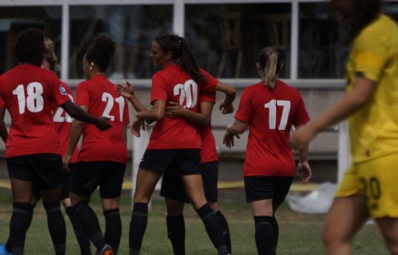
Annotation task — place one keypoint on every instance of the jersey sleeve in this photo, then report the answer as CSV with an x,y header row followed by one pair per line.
x,y
82,94
302,116
372,55
244,112
208,89
159,89
126,115
59,90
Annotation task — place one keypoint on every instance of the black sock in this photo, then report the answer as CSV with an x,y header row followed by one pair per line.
x,y
138,223
275,228
56,226
113,230
19,224
89,221
81,235
213,228
264,235
176,233
225,230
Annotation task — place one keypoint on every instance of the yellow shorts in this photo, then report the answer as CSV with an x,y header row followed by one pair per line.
x,y
377,180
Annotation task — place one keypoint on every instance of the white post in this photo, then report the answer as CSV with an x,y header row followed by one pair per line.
x,y
344,156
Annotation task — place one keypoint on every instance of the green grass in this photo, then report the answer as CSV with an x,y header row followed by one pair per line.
x,y
299,233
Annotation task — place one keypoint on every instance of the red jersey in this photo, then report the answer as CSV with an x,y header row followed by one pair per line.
x,y
63,123
28,92
270,114
209,151
172,84
102,100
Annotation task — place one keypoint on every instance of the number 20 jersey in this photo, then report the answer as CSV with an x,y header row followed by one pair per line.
x,y
28,92
270,114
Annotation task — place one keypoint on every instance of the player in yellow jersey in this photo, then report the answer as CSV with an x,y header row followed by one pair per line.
x,y
368,188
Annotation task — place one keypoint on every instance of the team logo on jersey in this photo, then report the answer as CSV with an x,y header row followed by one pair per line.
x,y
62,90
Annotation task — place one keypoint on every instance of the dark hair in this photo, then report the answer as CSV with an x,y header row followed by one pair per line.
x,y
270,62
360,13
49,55
29,46
101,51
181,54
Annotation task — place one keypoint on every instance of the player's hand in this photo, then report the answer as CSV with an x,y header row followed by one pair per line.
x,y
136,126
226,108
304,171
229,140
103,124
175,110
125,91
65,162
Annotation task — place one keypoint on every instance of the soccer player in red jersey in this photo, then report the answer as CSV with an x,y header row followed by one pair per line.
x,y
270,109
175,143
172,186
103,156
28,92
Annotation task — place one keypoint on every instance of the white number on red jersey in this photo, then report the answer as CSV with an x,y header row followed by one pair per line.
x,y
110,101
34,101
188,92
60,111
271,105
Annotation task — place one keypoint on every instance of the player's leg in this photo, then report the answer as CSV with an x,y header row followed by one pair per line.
x,y
84,182
209,171
173,191
110,190
81,236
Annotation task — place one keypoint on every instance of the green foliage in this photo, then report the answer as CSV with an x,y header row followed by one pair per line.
x,y
299,233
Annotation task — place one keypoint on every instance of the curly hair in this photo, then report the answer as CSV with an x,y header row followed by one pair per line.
x,y
101,51
29,46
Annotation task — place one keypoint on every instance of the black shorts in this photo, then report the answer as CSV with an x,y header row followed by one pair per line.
x,y
65,192
172,186
87,176
176,161
43,169
267,187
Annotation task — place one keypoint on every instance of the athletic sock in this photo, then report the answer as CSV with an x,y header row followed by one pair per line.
x,y
19,223
213,228
89,221
264,235
225,230
113,229
56,226
275,229
81,235
176,233
138,223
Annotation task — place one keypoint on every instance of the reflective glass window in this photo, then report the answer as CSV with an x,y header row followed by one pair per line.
x,y
14,20
132,27
226,38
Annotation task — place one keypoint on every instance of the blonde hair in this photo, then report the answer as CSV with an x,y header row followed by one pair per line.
x,y
270,62
49,55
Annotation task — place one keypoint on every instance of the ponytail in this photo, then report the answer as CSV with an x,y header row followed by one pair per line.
x,y
270,62
181,54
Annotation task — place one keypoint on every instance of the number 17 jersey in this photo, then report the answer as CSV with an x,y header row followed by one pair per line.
x,y
270,114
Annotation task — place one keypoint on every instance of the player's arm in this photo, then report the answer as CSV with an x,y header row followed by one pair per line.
x,y
360,95
129,93
230,94
154,114
175,110
3,128
74,136
79,114
303,167
234,129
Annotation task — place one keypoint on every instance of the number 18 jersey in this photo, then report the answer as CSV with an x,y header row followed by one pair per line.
x,y
270,114
28,92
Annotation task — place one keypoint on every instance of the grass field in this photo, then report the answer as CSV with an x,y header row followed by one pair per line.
x,y
299,233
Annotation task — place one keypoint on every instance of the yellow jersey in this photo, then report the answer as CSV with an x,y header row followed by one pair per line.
x,y
373,128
